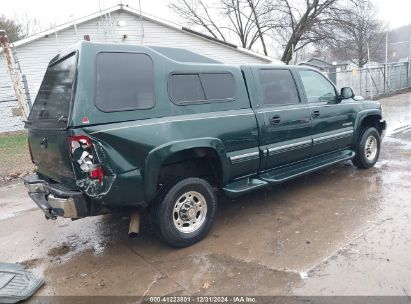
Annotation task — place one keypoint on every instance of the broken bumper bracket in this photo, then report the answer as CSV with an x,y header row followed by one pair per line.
x,y
54,200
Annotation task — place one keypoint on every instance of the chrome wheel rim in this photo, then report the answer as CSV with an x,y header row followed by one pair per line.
x,y
189,212
371,148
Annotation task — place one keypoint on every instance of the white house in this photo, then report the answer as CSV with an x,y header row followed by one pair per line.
x,y
119,24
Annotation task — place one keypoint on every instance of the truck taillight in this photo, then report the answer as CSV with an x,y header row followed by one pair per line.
x,y
81,151
97,172
79,141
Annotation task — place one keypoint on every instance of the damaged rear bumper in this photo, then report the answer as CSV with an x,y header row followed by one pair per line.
x,y
55,200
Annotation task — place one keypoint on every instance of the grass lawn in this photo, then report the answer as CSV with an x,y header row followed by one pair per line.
x,y
14,142
14,154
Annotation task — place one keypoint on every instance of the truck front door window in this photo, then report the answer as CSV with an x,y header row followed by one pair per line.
x,y
317,88
332,122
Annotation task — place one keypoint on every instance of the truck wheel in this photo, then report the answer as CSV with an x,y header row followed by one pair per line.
x,y
185,211
368,149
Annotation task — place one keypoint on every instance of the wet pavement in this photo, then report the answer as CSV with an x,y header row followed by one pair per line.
x,y
340,231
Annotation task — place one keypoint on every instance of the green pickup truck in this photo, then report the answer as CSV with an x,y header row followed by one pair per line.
x,y
128,127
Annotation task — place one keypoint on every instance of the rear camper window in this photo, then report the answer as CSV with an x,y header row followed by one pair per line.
x,y
53,98
124,82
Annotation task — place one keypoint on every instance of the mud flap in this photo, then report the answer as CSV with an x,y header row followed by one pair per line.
x,y
16,283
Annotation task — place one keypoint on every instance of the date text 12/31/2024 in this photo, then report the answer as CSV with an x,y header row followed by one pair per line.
x,y
201,299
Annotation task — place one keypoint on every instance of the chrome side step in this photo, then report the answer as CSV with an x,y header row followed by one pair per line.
x,y
244,185
280,175
283,174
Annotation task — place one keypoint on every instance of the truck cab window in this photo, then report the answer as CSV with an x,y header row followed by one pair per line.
x,y
278,87
317,88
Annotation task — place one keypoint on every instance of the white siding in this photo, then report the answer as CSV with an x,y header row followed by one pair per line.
x,y
8,101
34,56
8,122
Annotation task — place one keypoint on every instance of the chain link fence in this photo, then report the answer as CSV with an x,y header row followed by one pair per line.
x,y
14,154
375,81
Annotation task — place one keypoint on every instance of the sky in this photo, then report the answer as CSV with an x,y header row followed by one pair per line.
x,y
50,12
395,12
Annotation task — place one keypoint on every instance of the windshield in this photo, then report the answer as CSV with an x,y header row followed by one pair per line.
x,y
53,99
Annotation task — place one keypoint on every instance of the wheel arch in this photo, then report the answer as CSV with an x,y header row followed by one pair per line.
x,y
157,157
367,118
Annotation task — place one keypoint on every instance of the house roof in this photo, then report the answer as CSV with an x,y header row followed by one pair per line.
x,y
126,8
320,62
306,63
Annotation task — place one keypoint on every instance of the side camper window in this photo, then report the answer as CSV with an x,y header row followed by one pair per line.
x,y
188,88
124,82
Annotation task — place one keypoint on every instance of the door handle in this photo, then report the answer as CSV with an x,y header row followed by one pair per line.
x,y
275,120
315,114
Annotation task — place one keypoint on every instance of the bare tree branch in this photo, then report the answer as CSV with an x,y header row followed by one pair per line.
x,y
196,13
247,19
356,31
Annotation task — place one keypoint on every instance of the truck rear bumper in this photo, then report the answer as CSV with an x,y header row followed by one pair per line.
x,y
55,200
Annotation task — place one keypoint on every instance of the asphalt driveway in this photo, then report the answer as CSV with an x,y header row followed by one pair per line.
x,y
340,231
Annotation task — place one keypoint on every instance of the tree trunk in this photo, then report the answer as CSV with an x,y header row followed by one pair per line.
x,y
257,23
288,52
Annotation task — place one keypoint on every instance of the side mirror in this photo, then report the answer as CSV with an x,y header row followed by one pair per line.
x,y
347,93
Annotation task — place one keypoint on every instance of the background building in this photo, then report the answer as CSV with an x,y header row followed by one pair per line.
x,y
119,24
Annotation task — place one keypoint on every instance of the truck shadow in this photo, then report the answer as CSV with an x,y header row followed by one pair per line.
x,y
299,215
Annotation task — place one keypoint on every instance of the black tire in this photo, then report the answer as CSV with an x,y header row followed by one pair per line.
x,y
163,211
363,159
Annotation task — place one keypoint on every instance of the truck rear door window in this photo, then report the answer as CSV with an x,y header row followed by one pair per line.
x,y
201,87
52,104
278,87
124,82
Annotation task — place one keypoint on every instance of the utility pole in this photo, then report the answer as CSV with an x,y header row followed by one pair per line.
x,y
368,69
409,62
14,75
142,22
386,61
